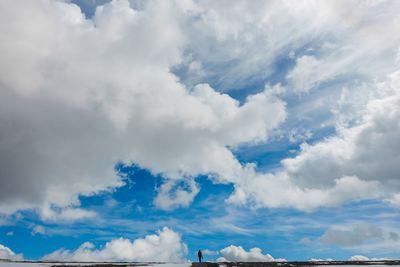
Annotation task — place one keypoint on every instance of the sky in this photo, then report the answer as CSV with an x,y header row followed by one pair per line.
x,y
147,130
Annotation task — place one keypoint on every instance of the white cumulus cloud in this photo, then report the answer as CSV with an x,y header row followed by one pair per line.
x,y
359,258
165,246
79,95
238,253
339,168
6,253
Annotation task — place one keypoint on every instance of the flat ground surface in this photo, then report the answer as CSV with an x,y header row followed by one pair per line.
x,y
205,264
92,264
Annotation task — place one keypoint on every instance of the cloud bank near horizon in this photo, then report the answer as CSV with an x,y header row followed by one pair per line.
x,y
8,254
237,253
164,246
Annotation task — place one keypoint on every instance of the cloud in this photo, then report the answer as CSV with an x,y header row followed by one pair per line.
x,y
10,233
339,168
169,197
357,235
365,258
394,200
66,214
237,253
79,96
165,246
209,252
38,229
6,253
276,191
327,51
297,135
240,43
358,258
362,237
312,259
305,74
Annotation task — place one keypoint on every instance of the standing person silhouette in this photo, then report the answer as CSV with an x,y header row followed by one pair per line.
x,y
200,255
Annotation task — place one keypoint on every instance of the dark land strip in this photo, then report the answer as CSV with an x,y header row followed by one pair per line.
x,y
293,263
214,264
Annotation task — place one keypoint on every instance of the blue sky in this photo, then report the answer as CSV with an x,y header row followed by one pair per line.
x,y
253,131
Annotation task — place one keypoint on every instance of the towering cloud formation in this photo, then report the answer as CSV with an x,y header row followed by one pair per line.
x,y
79,95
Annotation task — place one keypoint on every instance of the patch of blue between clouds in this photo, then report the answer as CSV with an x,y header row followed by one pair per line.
x,y
88,7
243,88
